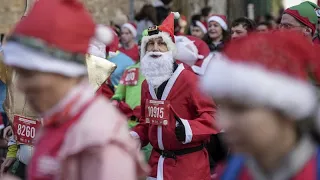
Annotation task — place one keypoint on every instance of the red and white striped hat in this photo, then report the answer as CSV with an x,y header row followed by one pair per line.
x,y
221,19
53,42
132,28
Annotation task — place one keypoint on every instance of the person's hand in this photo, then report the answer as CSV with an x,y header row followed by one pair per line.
x,y
7,132
6,165
180,130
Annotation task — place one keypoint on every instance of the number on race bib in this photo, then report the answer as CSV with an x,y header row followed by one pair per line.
x,y
157,112
25,129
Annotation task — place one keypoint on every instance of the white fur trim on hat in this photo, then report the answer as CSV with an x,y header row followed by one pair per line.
x,y
166,38
20,56
219,20
201,26
131,28
176,15
254,85
104,34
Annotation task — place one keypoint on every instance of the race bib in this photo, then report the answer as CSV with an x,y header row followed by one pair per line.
x,y
25,129
157,112
130,77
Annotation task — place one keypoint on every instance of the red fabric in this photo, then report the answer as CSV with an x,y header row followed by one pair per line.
x,y
168,26
274,51
202,48
133,53
51,17
105,90
308,172
223,17
125,109
304,20
198,110
48,146
114,46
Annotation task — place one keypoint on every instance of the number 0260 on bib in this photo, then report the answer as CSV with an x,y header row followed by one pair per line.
x,y
157,112
25,129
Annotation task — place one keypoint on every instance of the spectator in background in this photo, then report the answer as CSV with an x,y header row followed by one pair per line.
x,y
205,14
302,18
263,27
271,21
241,27
198,29
162,9
120,59
129,45
217,32
147,17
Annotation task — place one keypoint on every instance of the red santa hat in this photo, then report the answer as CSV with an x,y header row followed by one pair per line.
x,y
191,49
132,28
201,26
221,19
48,41
165,30
268,70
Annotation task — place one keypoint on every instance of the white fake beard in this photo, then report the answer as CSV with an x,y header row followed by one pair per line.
x,y
157,70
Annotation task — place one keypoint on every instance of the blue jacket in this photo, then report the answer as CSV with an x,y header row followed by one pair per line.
x,y
122,61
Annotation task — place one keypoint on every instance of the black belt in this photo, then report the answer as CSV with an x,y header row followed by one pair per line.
x,y
175,153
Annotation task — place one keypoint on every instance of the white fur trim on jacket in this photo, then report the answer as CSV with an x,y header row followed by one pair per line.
x,y
219,20
20,56
252,84
166,38
131,28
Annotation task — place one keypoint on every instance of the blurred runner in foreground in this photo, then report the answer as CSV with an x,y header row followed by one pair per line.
x,y
267,107
83,137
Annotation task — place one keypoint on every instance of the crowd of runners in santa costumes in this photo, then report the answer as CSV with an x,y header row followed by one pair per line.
x,y
268,107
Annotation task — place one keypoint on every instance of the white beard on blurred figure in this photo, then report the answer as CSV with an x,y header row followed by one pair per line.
x,y
157,70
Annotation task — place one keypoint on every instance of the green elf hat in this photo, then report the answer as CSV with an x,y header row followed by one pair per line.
x,y
306,13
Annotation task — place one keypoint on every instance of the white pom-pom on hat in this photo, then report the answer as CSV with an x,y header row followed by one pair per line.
x,y
176,15
104,34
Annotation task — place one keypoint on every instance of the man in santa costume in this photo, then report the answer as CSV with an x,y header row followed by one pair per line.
x,y
47,51
176,118
194,52
304,18
129,45
269,115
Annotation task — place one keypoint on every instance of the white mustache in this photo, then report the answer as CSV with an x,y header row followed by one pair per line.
x,y
154,53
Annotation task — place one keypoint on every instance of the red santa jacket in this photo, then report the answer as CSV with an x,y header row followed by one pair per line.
x,y
196,112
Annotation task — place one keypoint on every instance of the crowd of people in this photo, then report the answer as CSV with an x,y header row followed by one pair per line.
x,y
203,101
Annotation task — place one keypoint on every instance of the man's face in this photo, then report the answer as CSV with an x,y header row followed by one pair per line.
x,y
126,35
156,45
197,32
262,28
290,23
42,90
238,31
251,129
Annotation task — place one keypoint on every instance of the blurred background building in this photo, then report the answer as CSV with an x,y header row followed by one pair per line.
x,y
120,11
